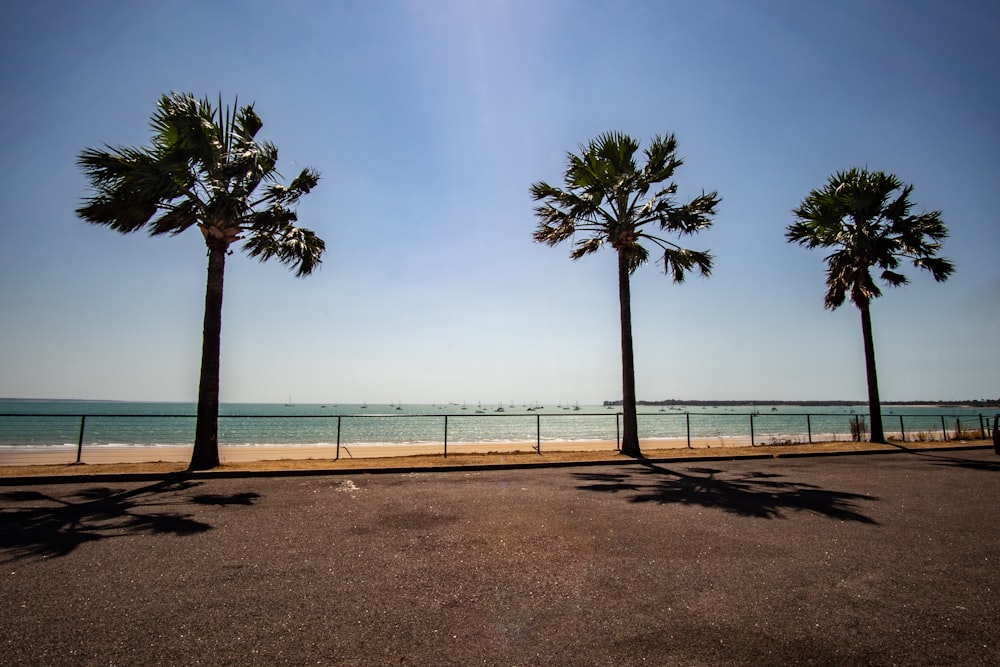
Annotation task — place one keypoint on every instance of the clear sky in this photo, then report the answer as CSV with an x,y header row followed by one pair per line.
x,y
429,120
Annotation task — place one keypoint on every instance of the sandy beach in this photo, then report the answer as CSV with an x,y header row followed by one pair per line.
x,y
106,454
34,461
19,456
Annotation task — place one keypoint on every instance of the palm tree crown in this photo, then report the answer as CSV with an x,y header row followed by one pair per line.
x,y
205,168
866,216
607,199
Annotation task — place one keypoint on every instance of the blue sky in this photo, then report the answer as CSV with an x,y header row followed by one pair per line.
x,y
429,120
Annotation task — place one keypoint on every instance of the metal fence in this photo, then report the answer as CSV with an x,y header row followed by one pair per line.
x,y
682,428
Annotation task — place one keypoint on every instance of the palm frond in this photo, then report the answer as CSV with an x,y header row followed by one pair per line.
x,y
586,247
175,220
894,278
940,268
129,186
637,255
689,218
295,247
661,159
678,262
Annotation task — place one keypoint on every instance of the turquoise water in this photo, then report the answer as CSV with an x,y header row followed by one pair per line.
x,y
58,423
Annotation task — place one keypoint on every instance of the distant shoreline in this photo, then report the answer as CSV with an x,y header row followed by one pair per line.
x,y
971,404
928,404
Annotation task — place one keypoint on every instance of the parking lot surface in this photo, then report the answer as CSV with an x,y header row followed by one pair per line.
x,y
885,559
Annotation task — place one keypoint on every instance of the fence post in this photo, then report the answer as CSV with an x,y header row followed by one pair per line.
x,y
982,431
446,436
902,429
538,433
338,439
809,429
752,443
79,443
687,418
996,433
618,431
944,429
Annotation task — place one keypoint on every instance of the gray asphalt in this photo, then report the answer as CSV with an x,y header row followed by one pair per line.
x,y
889,559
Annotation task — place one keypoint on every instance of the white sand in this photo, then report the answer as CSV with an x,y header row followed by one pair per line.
x,y
182,454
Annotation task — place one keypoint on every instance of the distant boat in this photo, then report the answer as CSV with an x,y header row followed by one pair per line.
x,y
289,403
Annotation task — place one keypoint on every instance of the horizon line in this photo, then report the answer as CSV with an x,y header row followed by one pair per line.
x,y
659,402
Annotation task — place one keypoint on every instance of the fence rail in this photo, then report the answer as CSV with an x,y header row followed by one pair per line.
x,y
686,427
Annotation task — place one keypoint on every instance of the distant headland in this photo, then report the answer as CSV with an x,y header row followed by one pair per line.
x,y
974,403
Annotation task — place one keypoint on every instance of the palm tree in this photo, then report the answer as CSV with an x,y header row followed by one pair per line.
x,y
206,169
866,218
606,201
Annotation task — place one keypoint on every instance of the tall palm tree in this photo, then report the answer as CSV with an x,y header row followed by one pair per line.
x,y
607,200
206,169
866,218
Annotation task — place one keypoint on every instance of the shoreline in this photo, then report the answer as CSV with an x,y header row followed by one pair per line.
x,y
22,458
102,454
19,455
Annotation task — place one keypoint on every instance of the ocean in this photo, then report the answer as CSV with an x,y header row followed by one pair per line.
x,y
114,423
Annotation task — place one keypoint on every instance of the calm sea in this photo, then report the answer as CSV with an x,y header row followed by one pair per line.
x,y
112,423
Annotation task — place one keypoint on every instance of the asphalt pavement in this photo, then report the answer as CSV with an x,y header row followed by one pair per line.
x,y
884,559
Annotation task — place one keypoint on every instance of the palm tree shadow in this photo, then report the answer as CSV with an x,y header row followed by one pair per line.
x,y
953,459
35,524
955,462
758,495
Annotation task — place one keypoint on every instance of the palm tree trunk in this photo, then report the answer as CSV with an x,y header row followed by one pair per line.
x,y
874,405
206,437
630,431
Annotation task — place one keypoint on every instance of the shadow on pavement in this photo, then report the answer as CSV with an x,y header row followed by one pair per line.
x,y
953,459
35,524
758,495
